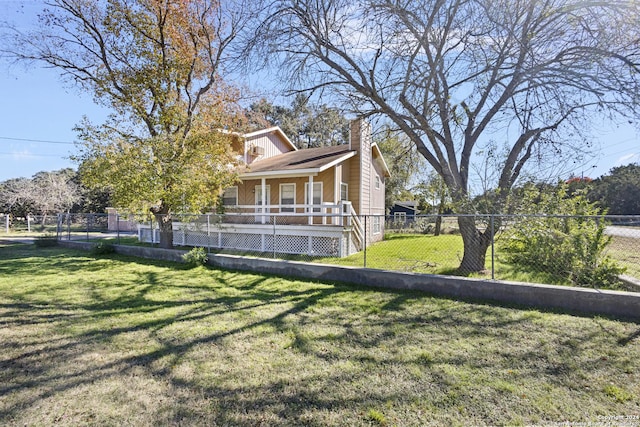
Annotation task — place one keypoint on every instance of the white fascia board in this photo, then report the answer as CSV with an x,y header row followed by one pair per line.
x,y
337,161
375,147
281,174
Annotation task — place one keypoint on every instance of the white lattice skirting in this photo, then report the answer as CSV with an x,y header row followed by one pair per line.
x,y
314,240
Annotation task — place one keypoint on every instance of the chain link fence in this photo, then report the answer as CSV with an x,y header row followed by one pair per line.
x,y
588,251
591,251
29,225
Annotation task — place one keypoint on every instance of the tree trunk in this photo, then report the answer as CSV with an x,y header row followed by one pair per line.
x,y
165,221
475,243
438,228
441,205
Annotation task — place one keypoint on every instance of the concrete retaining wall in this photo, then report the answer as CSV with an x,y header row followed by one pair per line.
x,y
592,301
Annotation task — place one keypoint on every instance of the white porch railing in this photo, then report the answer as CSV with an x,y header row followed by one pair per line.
x,y
317,230
325,213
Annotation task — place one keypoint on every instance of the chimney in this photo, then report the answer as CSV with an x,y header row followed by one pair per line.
x,y
360,135
360,142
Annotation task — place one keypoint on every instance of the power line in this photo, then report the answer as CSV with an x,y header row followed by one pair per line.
x,y
44,141
24,156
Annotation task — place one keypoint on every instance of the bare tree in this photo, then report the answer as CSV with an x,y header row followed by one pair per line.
x,y
54,192
454,73
43,194
17,197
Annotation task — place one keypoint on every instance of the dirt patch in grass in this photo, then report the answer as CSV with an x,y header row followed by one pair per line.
x,y
112,341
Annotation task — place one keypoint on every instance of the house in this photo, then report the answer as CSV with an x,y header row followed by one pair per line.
x,y
319,201
403,213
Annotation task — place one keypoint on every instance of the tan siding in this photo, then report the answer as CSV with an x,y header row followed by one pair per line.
x,y
246,188
367,182
377,195
272,144
328,184
245,193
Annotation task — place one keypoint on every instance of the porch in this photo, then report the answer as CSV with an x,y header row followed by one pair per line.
x,y
315,230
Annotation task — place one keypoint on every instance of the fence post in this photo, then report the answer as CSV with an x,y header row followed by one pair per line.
x,y
68,226
365,241
219,219
7,222
493,269
209,233
118,226
273,243
29,223
88,218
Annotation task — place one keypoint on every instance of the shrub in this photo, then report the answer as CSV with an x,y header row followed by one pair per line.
x,y
195,257
103,248
569,243
46,241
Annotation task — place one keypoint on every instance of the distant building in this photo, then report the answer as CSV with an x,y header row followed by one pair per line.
x,y
403,213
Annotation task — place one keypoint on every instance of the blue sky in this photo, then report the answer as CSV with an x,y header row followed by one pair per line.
x,y
38,113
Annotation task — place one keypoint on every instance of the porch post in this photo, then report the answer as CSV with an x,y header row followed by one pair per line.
x,y
310,199
263,183
337,182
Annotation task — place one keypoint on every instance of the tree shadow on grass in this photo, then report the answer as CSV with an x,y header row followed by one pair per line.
x,y
264,350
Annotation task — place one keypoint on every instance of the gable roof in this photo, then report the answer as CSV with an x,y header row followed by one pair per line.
x,y
274,129
409,204
310,161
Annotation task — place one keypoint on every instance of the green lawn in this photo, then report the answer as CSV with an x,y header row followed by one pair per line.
x,y
419,253
626,250
113,341
416,253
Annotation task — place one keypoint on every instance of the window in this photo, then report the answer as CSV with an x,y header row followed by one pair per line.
x,y
376,224
230,196
377,182
287,196
344,191
400,216
317,194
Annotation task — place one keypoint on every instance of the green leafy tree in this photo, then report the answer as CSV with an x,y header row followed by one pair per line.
x,y
156,64
452,74
619,190
92,200
561,235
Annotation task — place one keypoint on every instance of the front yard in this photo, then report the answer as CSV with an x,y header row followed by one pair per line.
x,y
112,341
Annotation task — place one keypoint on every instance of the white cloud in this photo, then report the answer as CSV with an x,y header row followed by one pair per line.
x,y
628,158
22,154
